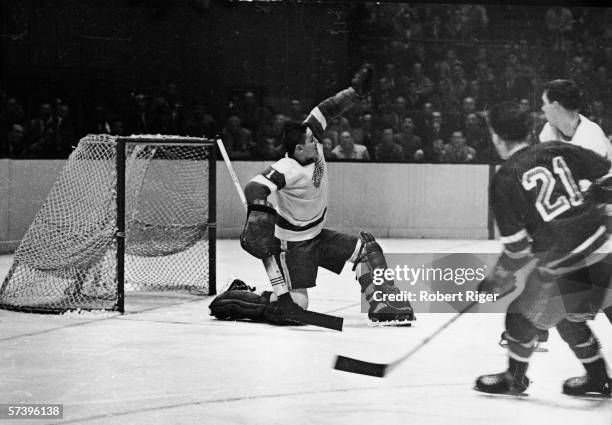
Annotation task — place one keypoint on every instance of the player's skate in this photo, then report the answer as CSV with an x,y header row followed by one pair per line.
x,y
501,383
397,313
583,385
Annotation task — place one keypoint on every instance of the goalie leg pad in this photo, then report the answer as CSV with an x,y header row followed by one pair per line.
x,y
369,258
240,304
383,306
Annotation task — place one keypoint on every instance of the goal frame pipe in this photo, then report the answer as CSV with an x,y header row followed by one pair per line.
x,y
120,219
212,219
120,233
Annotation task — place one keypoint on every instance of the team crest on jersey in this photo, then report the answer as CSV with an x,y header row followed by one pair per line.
x,y
317,175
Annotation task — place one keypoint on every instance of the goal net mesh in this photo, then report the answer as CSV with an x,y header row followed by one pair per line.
x,y
68,258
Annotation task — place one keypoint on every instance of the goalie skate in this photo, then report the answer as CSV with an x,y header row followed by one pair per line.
x,y
387,313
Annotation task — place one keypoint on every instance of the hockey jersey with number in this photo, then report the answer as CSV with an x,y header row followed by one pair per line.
x,y
539,207
302,190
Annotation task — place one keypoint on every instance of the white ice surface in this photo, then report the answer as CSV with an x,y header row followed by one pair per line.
x,y
167,362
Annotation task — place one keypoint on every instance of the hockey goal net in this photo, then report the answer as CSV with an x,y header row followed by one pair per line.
x,y
126,213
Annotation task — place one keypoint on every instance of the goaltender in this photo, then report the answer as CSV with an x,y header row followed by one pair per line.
x,y
294,232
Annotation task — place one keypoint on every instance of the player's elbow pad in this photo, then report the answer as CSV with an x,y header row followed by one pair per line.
x,y
511,264
601,190
254,191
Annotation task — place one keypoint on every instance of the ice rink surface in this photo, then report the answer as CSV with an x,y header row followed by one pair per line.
x,y
166,361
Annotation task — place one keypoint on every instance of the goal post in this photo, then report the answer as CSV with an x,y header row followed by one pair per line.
x,y
126,213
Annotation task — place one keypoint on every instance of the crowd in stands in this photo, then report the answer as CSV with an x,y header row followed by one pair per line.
x,y
437,70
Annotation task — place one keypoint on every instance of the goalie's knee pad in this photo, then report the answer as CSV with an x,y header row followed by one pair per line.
x,y
239,302
370,263
381,293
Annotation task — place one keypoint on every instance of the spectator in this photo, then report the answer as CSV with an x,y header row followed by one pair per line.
x,y
98,123
391,78
457,151
336,126
15,140
200,123
364,134
477,136
468,106
296,111
394,118
437,129
435,30
410,142
414,101
559,22
117,127
387,150
271,149
347,149
507,88
64,129
237,139
46,147
425,87
481,101
436,151
328,147
39,122
443,100
14,112
138,116
458,83
524,105
254,116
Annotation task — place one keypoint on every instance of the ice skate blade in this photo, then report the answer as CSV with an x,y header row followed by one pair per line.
x,y
589,396
506,394
391,324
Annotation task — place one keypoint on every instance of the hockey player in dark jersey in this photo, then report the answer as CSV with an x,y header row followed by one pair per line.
x,y
294,231
545,219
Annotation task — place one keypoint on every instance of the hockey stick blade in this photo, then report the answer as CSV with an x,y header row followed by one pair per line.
x,y
317,319
379,370
348,364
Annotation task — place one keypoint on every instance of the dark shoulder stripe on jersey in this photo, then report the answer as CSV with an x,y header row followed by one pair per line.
x,y
275,177
284,224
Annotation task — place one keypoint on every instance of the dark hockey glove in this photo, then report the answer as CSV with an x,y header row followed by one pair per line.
x,y
362,80
501,282
257,237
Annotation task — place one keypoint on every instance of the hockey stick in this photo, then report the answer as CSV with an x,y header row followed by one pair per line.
x,y
274,274
380,370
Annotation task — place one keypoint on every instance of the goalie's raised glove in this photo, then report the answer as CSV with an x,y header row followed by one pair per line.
x,y
257,237
501,282
362,80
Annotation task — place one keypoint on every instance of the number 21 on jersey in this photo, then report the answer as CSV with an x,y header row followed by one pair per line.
x,y
545,206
